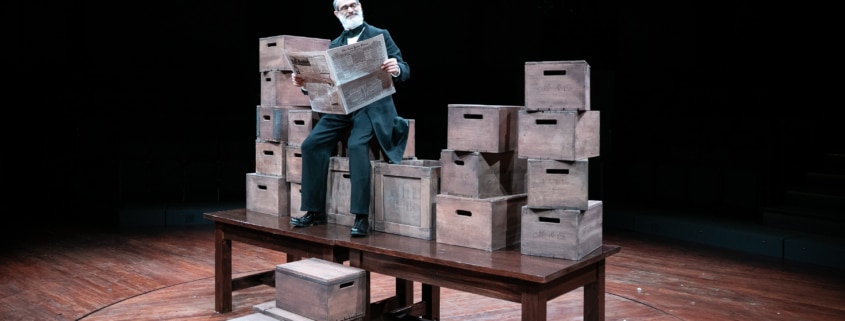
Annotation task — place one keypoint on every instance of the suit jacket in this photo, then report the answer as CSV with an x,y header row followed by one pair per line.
x,y
390,129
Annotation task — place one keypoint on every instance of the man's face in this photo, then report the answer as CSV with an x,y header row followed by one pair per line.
x,y
350,13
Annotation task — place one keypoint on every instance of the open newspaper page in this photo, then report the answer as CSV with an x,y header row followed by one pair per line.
x,y
344,79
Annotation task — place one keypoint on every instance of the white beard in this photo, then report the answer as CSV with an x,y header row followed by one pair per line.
x,y
352,22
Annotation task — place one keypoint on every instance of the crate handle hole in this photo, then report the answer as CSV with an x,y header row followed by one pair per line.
x,y
554,72
299,122
264,187
347,284
549,220
463,213
459,162
345,175
268,152
557,171
473,116
546,122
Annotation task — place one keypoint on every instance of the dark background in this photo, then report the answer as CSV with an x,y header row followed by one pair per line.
x,y
720,108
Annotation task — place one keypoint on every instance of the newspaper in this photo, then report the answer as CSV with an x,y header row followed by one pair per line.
x,y
343,79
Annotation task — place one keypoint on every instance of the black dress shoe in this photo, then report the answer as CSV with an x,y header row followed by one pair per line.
x,y
361,226
309,219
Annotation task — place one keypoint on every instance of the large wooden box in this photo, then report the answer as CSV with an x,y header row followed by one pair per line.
x,y
271,50
558,184
405,197
561,134
293,164
267,194
482,175
482,128
269,158
277,89
300,124
555,85
561,233
321,290
487,223
339,192
271,122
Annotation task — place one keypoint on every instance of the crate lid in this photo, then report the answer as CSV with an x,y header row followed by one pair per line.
x,y
320,270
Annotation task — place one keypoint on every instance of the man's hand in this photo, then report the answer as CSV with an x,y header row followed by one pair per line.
x,y
390,65
297,80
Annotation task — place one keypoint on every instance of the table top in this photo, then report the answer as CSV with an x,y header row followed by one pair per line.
x,y
507,262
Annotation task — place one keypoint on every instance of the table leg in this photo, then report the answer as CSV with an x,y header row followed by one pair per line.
x,y
222,270
533,304
431,296
594,296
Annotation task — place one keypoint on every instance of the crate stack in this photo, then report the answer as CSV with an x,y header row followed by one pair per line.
x,y
483,180
558,134
283,118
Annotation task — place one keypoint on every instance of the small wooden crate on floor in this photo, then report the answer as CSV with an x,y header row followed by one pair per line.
x,y
267,194
277,89
293,163
481,175
558,184
405,197
487,224
321,290
561,233
556,85
560,134
269,158
271,50
482,128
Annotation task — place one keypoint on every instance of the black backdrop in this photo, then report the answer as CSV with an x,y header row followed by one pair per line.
x,y
703,105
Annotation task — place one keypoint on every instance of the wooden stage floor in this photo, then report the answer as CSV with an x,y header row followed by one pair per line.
x,y
168,274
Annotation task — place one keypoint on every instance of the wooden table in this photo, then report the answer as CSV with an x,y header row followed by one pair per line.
x,y
503,274
271,232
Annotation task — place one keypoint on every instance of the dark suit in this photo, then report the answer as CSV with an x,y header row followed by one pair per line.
x,y
379,120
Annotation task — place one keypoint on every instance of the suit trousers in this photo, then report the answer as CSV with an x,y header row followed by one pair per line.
x,y
317,150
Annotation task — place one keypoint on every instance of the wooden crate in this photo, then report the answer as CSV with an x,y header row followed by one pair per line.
x,y
482,175
267,194
300,124
559,134
321,290
487,223
271,50
482,128
293,163
558,184
339,192
556,85
271,122
404,199
277,89
561,233
296,200
269,158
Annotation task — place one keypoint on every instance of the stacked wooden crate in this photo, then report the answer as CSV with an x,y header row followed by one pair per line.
x,y
282,121
483,181
558,134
